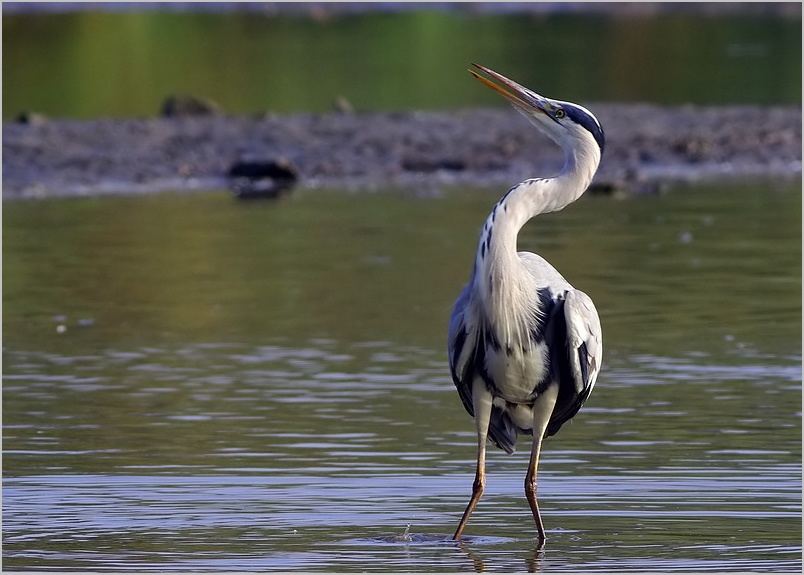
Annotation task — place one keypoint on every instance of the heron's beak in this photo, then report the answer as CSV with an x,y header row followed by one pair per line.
x,y
522,98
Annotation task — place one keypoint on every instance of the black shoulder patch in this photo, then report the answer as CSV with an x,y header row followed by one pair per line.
x,y
547,306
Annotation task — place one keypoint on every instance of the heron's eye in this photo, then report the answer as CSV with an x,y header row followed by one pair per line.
x,y
559,113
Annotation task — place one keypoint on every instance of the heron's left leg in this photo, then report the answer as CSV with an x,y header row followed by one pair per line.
x,y
542,410
481,402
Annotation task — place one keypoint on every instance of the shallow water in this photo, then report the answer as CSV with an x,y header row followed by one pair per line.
x,y
192,383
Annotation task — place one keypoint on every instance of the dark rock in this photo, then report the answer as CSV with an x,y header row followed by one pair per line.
x,y
608,187
30,118
186,105
426,164
262,178
619,188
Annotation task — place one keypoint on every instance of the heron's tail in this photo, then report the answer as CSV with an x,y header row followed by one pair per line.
x,y
502,430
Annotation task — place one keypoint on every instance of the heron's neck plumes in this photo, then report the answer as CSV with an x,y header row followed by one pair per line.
x,y
497,262
538,196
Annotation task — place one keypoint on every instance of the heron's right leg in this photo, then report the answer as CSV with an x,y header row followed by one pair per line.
x,y
542,410
481,401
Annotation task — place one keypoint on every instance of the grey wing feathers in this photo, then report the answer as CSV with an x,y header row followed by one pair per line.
x,y
584,339
584,349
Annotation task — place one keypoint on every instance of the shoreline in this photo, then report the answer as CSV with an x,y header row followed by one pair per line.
x,y
647,148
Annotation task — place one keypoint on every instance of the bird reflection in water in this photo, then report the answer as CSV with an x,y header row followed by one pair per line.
x,y
532,561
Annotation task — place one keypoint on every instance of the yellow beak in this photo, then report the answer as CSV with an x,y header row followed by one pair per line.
x,y
518,95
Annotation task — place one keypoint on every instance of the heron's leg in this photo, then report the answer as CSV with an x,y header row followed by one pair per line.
x,y
481,400
542,410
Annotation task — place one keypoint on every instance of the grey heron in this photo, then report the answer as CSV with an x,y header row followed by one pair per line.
x,y
525,347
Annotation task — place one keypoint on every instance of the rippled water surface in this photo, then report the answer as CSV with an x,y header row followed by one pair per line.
x,y
192,383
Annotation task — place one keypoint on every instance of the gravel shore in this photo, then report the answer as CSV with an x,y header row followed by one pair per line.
x,y
646,148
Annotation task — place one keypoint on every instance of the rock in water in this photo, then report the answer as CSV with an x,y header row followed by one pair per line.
x,y
178,105
262,178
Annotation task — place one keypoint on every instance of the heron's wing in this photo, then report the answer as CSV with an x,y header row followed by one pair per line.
x,y
584,354
462,349
467,357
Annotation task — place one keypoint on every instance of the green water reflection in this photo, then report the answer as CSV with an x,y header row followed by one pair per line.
x,y
694,270
124,64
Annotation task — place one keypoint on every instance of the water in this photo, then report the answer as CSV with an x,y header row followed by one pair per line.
x,y
125,63
191,383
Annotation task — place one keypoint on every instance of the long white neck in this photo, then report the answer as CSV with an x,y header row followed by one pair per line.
x,y
497,280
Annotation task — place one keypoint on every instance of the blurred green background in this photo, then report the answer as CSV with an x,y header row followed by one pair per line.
x,y
124,63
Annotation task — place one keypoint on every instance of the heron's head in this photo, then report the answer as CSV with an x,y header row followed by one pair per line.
x,y
564,122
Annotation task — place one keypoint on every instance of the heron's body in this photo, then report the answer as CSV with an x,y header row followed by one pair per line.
x,y
524,345
516,363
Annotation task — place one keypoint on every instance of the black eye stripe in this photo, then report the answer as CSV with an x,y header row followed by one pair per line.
x,y
584,119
